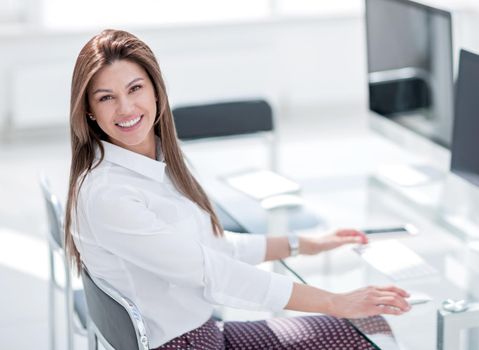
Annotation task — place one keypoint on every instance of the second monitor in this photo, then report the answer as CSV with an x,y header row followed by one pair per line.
x,y
464,159
410,66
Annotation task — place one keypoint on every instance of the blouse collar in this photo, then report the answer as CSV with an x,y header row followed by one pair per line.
x,y
136,162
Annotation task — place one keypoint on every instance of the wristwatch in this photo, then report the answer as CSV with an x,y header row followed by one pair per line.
x,y
293,241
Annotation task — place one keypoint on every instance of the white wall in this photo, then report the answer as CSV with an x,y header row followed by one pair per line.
x,y
290,61
315,61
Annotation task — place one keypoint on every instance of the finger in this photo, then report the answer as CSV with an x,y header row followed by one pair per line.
x,y
383,293
394,301
349,232
349,240
394,289
364,237
353,233
388,310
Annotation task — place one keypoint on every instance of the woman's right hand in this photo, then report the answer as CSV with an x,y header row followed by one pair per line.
x,y
370,301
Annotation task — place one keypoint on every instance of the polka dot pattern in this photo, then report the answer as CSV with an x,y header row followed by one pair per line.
x,y
373,325
206,337
294,333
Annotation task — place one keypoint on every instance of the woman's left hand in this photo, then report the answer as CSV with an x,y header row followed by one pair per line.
x,y
314,244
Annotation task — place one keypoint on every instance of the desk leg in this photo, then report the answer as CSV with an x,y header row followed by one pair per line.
x,y
450,325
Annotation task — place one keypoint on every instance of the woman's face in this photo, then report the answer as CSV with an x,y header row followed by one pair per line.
x,y
123,101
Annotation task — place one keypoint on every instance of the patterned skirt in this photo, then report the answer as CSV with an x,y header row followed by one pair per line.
x,y
304,332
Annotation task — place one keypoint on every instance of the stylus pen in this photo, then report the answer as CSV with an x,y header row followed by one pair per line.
x,y
371,231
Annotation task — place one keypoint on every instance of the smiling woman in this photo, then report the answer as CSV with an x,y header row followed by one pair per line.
x,y
137,218
118,97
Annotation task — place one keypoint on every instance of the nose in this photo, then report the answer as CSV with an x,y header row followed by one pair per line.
x,y
124,106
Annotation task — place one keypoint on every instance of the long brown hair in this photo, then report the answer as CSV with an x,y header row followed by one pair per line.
x,y
102,50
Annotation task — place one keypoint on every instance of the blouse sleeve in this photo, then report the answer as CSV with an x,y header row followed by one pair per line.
x,y
122,224
249,248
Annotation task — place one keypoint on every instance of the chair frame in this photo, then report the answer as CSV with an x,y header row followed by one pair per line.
x,y
95,335
55,248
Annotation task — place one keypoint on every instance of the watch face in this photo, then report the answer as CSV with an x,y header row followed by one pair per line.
x,y
293,241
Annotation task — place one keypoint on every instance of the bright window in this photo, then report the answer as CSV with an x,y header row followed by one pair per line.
x,y
85,14
104,13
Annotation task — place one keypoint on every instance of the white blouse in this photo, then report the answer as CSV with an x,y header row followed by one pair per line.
x,y
137,232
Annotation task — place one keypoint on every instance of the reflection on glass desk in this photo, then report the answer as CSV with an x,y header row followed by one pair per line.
x,y
456,264
377,329
362,203
395,260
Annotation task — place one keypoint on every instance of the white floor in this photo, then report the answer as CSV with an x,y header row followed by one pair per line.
x,y
339,139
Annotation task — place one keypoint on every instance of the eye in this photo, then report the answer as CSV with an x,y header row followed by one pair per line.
x,y
135,88
105,98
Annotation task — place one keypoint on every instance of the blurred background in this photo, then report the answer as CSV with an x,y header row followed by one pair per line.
x,y
306,57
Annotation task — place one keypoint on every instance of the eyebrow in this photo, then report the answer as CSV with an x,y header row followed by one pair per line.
x,y
127,86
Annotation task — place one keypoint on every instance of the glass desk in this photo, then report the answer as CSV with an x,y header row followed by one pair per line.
x,y
456,261
362,202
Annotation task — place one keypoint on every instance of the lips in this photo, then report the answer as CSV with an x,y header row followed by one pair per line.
x,y
129,123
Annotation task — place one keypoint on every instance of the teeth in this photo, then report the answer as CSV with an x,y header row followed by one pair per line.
x,y
129,123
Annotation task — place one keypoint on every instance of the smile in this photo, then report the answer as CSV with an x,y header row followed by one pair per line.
x,y
130,123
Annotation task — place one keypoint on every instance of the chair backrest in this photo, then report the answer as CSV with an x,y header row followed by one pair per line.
x,y
115,318
223,119
54,213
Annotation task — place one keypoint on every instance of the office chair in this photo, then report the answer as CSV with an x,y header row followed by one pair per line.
x,y
74,299
223,119
228,119
115,321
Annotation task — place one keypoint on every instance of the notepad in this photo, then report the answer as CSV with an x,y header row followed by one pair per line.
x,y
261,184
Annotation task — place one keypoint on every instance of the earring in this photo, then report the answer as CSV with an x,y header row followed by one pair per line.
x,y
91,116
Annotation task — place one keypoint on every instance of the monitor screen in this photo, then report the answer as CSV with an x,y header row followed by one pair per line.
x,y
410,70
465,142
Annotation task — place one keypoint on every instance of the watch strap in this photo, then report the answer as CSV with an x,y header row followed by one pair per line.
x,y
293,241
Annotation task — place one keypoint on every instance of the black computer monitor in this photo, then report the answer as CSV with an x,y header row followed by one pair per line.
x,y
465,142
410,67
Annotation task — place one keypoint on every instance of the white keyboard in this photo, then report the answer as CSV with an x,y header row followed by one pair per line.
x,y
395,260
